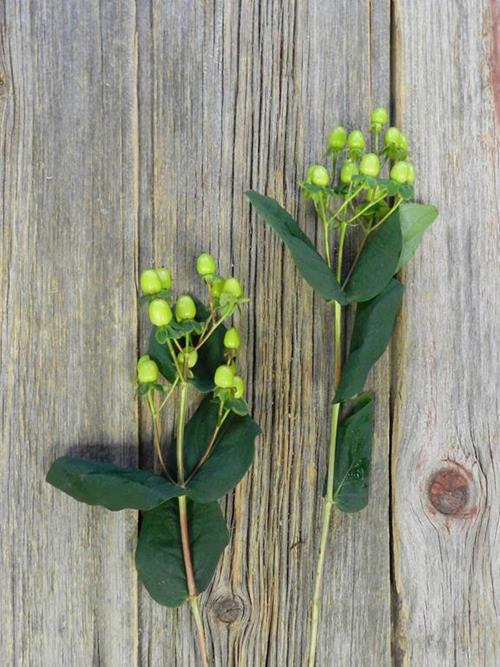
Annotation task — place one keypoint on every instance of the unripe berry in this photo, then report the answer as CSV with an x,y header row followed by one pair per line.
x,y
224,377
160,313
403,141
185,308
216,287
165,277
356,140
150,282
412,174
191,356
239,386
147,371
141,360
318,175
233,288
348,170
232,339
391,137
400,172
379,116
337,138
205,264
370,165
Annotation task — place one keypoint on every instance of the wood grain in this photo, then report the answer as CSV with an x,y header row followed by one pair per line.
x,y
447,376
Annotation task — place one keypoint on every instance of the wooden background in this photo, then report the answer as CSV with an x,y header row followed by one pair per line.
x,y
129,131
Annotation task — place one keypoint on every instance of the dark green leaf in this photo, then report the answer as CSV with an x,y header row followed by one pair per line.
x,y
314,189
378,261
109,485
352,457
371,333
177,330
415,218
210,356
237,405
161,354
308,261
159,557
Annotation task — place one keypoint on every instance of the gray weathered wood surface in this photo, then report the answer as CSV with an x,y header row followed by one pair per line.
x,y
128,133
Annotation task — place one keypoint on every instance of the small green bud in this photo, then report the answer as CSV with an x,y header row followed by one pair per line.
x,y
232,339
239,386
233,288
224,377
191,356
348,170
370,165
205,264
147,371
379,117
400,172
150,282
216,287
356,140
337,138
318,175
412,174
391,137
185,308
160,313
165,277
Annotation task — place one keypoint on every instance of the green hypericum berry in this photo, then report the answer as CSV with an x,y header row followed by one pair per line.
x,y
348,170
232,339
216,287
191,356
185,308
379,116
147,371
391,137
403,141
233,288
412,174
370,165
356,140
150,282
224,377
239,386
337,138
318,175
400,172
205,264
141,360
160,313
165,277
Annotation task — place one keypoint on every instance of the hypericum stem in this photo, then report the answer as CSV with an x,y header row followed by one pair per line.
x,y
183,522
329,495
157,436
211,445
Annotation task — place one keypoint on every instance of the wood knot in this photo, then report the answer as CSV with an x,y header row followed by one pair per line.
x,y
449,491
228,609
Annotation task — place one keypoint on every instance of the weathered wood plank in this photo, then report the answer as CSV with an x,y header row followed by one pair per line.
x,y
238,95
447,566
68,174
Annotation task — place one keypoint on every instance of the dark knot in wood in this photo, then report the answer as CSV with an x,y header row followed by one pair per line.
x,y
228,609
448,491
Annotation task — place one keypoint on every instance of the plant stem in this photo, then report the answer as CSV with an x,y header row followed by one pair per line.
x,y
157,436
328,501
183,521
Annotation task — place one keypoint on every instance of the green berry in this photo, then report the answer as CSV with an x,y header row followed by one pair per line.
x,y
232,339
205,264
232,287
185,308
191,356
349,169
356,140
403,141
216,287
141,360
412,174
400,172
318,175
165,277
370,165
150,282
224,377
337,138
379,117
391,137
160,313
239,386
147,371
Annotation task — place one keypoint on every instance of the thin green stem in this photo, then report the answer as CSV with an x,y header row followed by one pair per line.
x,y
169,394
157,435
347,200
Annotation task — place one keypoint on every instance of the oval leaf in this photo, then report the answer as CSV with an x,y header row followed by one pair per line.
x,y
159,558
378,261
372,331
109,485
161,354
309,262
415,218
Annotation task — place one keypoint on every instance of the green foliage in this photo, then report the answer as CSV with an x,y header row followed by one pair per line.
x,y
414,219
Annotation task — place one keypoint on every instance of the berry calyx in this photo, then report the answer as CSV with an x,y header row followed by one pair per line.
x,y
391,137
165,277
205,264
141,360
337,138
400,172
370,165
190,357
379,117
150,282
160,313
185,308
147,371
239,386
232,287
318,175
232,339
224,377
348,170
